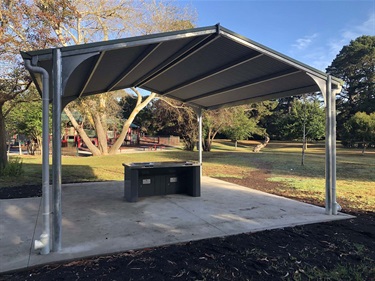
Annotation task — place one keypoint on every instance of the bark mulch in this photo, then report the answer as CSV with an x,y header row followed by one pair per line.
x,y
339,250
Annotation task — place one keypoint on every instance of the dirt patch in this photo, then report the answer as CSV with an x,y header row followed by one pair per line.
x,y
256,180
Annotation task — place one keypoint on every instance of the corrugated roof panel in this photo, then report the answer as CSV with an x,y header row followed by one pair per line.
x,y
164,51
256,68
111,66
214,55
79,77
297,83
202,66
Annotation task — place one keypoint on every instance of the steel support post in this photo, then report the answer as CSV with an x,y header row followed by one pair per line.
x,y
329,148
335,206
200,138
45,238
45,164
56,144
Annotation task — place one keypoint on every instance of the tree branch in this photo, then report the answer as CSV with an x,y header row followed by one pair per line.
x,y
171,104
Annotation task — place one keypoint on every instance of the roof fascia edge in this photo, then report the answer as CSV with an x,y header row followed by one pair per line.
x,y
46,54
281,57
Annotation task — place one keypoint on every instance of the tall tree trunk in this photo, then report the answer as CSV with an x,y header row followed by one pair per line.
x,y
140,105
3,142
101,133
262,145
212,138
364,146
304,144
206,145
95,151
207,142
19,147
39,144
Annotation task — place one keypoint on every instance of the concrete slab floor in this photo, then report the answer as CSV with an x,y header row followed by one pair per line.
x,y
97,220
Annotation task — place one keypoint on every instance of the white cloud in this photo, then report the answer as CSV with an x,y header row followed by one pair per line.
x,y
350,33
365,28
305,42
321,54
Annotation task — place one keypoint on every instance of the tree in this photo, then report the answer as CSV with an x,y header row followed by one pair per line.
x,y
241,126
306,120
139,106
291,116
26,119
261,110
143,118
355,64
214,121
13,89
20,28
313,122
99,20
39,24
175,118
276,120
360,128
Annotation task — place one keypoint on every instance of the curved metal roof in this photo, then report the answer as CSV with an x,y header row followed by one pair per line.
x,y
206,67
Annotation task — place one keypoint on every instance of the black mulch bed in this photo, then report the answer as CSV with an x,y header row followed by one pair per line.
x,y
340,250
25,191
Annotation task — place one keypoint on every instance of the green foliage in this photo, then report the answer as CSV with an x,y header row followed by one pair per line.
x,y
214,122
13,168
309,114
143,118
359,128
355,64
26,119
241,126
276,122
174,118
261,110
291,116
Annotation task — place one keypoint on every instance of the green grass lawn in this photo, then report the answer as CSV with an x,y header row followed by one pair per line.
x,y
355,173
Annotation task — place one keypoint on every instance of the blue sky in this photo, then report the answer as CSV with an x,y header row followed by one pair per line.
x,y
312,32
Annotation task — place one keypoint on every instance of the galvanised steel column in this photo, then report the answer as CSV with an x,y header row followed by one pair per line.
x,y
329,149
45,238
56,155
335,207
200,122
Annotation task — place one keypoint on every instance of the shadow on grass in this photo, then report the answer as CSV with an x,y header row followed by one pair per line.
x,y
32,175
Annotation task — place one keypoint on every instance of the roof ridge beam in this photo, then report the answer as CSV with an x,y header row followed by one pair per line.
x,y
176,58
211,73
133,65
259,80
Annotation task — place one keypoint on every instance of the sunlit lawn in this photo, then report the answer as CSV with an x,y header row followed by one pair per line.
x,y
355,173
